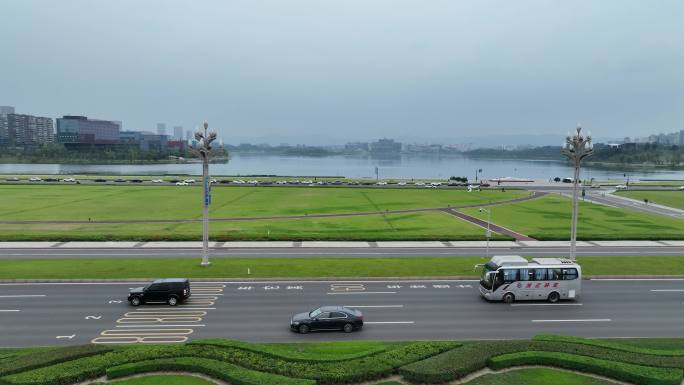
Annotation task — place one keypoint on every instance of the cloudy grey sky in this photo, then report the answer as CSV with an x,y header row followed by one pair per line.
x,y
350,68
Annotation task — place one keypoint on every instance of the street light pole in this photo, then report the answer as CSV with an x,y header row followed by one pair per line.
x,y
203,149
576,148
489,232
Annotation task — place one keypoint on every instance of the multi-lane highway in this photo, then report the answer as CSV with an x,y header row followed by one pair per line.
x,y
60,314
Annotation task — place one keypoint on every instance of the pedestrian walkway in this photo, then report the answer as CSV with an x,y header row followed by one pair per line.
x,y
493,227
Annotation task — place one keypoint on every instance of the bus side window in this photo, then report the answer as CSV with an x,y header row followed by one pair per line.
x,y
510,275
555,274
540,274
526,274
569,274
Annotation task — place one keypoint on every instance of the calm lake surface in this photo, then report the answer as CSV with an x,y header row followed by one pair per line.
x,y
405,166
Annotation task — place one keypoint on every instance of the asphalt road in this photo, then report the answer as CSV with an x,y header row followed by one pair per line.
x,y
337,252
60,314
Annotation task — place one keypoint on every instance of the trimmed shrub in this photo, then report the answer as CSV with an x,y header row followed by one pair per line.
x,y
233,374
636,374
27,361
610,345
290,355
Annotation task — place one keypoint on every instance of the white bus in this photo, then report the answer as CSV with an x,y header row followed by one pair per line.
x,y
511,278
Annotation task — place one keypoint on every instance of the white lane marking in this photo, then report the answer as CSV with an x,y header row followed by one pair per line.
x,y
175,309
22,296
158,326
363,292
546,304
574,320
666,290
636,279
9,311
378,306
68,337
388,322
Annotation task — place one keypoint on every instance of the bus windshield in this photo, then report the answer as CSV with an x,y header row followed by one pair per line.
x,y
486,278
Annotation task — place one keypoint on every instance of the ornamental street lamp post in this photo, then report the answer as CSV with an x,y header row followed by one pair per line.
x,y
203,149
576,148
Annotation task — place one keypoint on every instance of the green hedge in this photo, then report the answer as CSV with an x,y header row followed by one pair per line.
x,y
233,374
21,362
290,355
636,374
610,345
473,356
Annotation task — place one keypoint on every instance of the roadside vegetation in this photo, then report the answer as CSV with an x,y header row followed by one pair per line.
x,y
548,218
666,198
227,268
562,360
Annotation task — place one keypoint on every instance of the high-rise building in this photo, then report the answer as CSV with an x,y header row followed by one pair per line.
x,y
385,146
161,128
188,135
27,130
178,132
81,130
4,128
6,110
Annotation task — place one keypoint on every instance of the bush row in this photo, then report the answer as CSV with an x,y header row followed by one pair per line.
x,y
32,360
356,370
610,345
473,356
233,374
636,374
291,355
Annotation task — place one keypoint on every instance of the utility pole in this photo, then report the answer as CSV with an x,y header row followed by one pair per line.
x,y
576,148
488,235
203,149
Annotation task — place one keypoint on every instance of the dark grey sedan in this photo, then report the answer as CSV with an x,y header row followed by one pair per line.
x,y
327,318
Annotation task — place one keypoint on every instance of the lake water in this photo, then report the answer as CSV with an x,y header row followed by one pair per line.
x,y
405,166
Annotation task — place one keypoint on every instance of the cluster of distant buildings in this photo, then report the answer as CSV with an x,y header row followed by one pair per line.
x,y
83,133
386,146
671,139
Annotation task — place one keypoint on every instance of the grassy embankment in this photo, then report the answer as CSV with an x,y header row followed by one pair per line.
x,y
638,362
101,203
666,198
307,267
548,218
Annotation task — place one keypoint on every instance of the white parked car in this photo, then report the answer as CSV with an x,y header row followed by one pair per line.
x,y
253,181
381,183
157,181
401,184
621,187
182,183
34,179
189,181
281,182
420,184
436,184
69,180
681,187
239,181
307,182
213,181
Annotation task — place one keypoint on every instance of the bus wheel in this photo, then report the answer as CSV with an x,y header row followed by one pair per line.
x,y
554,297
508,298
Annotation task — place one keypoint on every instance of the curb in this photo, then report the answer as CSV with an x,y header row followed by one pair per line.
x,y
321,279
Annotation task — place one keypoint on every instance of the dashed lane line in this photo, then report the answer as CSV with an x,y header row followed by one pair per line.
x,y
573,320
373,306
545,304
389,322
667,290
159,326
23,296
9,311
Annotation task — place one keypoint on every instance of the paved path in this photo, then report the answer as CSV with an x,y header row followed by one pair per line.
x,y
493,227
532,195
66,314
112,250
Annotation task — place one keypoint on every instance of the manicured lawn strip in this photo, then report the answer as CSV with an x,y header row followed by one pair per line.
x,y
9,352
307,352
548,218
612,344
307,267
80,202
163,380
537,376
473,356
33,358
636,374
233,374
404,226
666,198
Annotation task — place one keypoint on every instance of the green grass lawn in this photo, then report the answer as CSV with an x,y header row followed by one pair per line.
x,y
409,226
537,376
666,198
306,267
58,202
163,380
548,218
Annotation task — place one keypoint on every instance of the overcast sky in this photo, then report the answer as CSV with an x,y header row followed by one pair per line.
x,y
350,68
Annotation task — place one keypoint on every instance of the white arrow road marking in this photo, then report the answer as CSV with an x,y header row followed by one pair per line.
x,y
69,337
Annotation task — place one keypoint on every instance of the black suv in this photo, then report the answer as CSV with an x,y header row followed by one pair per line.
x,y
171,291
